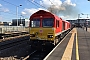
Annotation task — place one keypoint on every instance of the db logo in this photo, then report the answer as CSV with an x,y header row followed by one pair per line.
x,y
41,31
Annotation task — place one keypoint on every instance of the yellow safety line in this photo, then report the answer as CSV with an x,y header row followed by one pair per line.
x,y
77,53
68,51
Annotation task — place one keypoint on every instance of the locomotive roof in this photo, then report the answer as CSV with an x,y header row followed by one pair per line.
x,y
43,11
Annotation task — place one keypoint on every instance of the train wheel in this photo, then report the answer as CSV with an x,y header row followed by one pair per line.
x,y
54,42
57,40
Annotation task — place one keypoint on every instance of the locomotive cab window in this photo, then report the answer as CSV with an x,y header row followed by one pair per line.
x,y
35,23
47,22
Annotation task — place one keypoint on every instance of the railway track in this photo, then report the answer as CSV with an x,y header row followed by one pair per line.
x,y
16,48
10,42
2,47
17,52
38,54
29,55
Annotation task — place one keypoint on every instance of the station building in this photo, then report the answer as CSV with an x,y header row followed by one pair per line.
x,y
21,22
80,22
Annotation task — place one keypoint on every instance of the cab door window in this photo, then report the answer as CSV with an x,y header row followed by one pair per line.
x,y
57,23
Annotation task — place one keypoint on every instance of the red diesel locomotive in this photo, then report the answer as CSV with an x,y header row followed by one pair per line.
x,y
46,27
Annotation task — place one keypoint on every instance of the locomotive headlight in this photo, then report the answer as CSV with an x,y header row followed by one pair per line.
x,y
50,36
32,35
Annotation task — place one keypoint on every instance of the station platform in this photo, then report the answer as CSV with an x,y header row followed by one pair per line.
x,y
75,46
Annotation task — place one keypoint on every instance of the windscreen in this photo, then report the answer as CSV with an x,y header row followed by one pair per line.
x,y
47,22
35,23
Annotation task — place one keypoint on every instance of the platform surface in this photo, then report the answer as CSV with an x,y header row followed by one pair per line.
x,y
75,46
